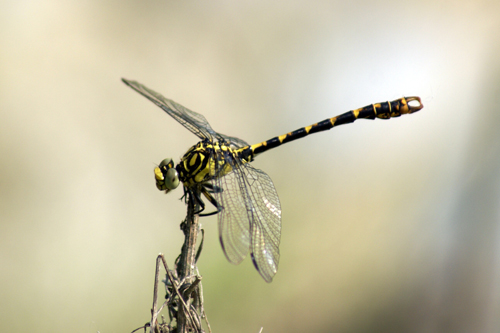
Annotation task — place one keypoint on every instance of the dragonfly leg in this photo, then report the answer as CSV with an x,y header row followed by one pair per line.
x,y
212,188
184,196
197,198
207,190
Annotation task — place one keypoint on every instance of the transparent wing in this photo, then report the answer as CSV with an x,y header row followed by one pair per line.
x,y
250,218
193,121
234,225
265,228
232,141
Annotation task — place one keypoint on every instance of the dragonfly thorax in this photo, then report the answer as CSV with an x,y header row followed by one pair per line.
x,y
202,162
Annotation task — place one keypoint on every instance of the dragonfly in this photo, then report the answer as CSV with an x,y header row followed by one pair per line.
x,y
219,168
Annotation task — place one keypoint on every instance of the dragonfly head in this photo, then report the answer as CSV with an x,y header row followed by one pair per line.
x,y
166,176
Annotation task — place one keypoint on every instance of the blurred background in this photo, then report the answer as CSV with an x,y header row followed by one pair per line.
x,y
388,226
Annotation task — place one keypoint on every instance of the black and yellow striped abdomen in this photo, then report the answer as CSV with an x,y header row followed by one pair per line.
x,y
384,110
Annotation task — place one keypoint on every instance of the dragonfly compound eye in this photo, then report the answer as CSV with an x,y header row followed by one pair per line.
x,y
166,175
166,163
171,179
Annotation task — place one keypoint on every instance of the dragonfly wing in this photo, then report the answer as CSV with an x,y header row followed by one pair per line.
x,y
265,225
235,143
234,226
193,121
250,217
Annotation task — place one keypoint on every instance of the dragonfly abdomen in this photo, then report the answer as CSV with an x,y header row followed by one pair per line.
x,y
384,110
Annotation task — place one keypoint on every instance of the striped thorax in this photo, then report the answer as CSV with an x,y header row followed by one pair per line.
x,y
197,166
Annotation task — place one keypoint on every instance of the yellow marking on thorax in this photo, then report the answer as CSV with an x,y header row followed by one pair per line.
x,y
201,174
195,157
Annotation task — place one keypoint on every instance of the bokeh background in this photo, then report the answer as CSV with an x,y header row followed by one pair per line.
x,y
388,226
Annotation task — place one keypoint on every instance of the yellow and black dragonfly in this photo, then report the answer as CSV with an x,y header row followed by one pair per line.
x,y
247,203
